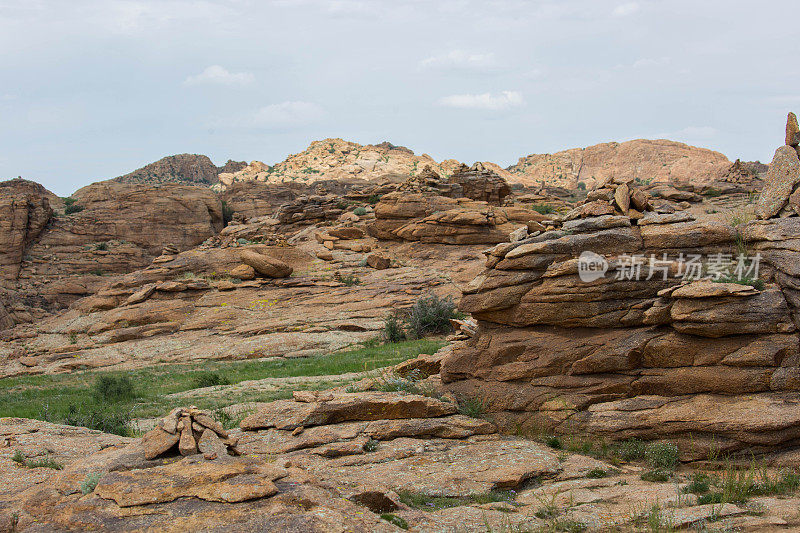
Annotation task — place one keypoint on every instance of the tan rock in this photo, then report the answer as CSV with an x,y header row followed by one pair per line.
x,y
186,443
622,198
792,131
378,261
243,272
265,265
158,441
781,179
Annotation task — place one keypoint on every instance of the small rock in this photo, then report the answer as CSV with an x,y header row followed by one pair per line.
x,y
378,261
243,272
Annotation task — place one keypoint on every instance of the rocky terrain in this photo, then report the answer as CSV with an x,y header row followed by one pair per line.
x,y
191,169
626,357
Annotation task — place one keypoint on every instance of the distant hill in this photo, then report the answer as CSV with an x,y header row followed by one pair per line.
x,y
182,168
645,160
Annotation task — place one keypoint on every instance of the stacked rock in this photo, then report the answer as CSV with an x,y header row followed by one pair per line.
x,y
780,196
613,197
192,431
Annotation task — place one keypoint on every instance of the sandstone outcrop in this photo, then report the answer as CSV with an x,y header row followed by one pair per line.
x,y
431,218
638,349
644,160
780,196
24,212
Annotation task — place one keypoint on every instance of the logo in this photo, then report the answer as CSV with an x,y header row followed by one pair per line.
x,y
591,266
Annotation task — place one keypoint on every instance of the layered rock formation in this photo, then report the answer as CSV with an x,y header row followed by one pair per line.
x,y
620,330
644,160
24,212
191,169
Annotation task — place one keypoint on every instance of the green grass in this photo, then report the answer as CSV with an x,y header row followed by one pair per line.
x,y
394,519
42,462
71,397
426,502
753,282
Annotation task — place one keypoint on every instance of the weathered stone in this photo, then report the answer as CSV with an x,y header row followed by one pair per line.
x,y
378,261
792,131
781,179
243,272
265,265
158,441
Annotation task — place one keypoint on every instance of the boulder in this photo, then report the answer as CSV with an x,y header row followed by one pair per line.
x,y
243,272
792,131
781,179
378,261
265,265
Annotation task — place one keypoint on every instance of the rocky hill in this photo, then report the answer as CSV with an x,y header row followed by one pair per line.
x,y
339,159
644,160
182,168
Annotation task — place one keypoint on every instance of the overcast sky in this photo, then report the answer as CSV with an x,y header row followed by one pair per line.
x,y
93,89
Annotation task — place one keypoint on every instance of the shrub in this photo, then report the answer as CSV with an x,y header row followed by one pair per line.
x,y
554,442
581,186
97,418
371,445
699,484
656,476
661,455
90,482
44,462
632,450
360,211
113,389
393,328
472,407
72,208
210,379
431,315
544,209
756,283
102,246
374,199
597,473
348,279
18,457
69,201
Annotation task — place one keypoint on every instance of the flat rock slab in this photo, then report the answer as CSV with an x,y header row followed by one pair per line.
x,y
346,407
223,480
441,467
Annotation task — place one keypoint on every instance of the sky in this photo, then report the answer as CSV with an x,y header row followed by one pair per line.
x,y
93,89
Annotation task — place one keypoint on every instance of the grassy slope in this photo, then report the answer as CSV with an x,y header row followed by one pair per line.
x,y
33,396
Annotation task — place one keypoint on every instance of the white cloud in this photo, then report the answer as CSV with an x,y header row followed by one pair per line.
x,y
629,8
217,75
504,100
460,59
286,115
651,62
690,133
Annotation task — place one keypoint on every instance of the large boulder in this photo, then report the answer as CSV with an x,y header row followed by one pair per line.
x,y
265,265
782,178
24,212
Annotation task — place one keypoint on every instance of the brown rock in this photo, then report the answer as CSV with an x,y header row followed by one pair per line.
x,y
186,443
622,198
781,179
346,232
378,261
792,131
265,265
243,272
157,441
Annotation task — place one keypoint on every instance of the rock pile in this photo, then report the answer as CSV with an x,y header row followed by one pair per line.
x,y
780,196
189,431
613,197
476,183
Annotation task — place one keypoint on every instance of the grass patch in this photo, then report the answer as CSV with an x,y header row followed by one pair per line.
x,y
90,483
41,462
543,209
425,502
597,473
113,389
394,519
554,442
430,315
656,476
69,398
752,282
699,484
472,407
210,379
661,455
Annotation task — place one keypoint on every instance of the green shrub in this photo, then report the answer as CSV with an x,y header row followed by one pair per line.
x,y
554,442
101,246
699,484
393,328
90,482
210,379
711,497
431,315
18,457
371,445
73,208
581,186
43,462
632,450
113,389
597,473
756,283
472,407
656,476
374,199
95,417
544,209
360,211
661,455
68,201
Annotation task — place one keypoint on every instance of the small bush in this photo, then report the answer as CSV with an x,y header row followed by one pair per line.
x,y
581,186
95,417
472,407
394,519
73,338
711,192
43,462
431,315
113,389
393,328
753,282
711,497
68,201
632,450
661,455
399,383
73,208
18,457
656,476
360,211
90,482
544,209
371,445
101,246
597,473
348,279
374,199
699,484
210,379
554,442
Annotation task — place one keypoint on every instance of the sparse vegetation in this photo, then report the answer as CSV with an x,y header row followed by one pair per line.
x,y
597,473
661,455
210,379
554,442
113,389
371,445
394,519
347,278
473,407
72,208
426,502
656,476
70,399
90,482
752,282
393,328
360,211
543,209
428,316
40,462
